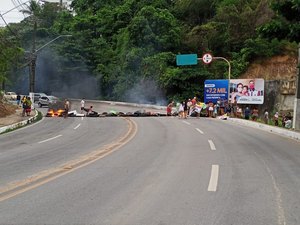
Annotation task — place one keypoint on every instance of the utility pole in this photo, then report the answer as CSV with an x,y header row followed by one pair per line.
x,y
33,57
296,117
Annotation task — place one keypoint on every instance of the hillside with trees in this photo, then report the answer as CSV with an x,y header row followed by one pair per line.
x,y
126,50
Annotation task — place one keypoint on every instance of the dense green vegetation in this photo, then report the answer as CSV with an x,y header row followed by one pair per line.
x,y
129,47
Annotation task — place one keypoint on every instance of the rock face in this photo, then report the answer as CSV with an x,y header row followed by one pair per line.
x,y
279,73
275,68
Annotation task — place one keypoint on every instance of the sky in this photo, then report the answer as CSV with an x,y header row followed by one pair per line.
x,y
14,16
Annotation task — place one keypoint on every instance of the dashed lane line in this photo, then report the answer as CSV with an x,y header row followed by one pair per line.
x,y
77,126
214,176
212,145
200,131
49,139
186,122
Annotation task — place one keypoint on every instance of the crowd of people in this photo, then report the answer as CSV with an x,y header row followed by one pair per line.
x,y
194,108
184,109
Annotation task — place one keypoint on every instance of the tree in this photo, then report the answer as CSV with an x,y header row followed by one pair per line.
x,y
286,22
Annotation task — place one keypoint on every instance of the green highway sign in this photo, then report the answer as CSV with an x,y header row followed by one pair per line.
x,y
186,59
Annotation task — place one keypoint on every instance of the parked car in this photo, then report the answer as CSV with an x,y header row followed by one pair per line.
x,y
10,95
38,95
47,100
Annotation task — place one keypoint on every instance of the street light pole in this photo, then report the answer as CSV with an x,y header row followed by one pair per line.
x,y
229,74
33,58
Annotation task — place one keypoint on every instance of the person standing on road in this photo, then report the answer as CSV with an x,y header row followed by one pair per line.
x,y
247,113
266,116
254,114
185,109
67,108
169,108
24,105
82,103
18,99
276,117
28,107
181,110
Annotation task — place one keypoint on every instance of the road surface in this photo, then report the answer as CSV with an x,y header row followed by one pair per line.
x,y
148,170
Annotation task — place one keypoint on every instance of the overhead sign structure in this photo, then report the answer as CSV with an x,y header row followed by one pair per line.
x,y
207,58
215,90
186,59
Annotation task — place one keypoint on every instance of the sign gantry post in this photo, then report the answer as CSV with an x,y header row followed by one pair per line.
x,y
207,58
229,74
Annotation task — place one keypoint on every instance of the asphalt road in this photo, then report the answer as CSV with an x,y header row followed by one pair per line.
x,y
173,171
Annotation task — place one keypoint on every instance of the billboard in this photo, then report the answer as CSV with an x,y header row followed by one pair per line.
x,y
247,91
215,89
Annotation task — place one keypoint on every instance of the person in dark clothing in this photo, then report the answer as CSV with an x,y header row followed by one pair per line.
x,y
185,108
18,99
247,113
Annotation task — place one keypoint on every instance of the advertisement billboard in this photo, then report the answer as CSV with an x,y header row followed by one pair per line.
x,y
215,89
247,91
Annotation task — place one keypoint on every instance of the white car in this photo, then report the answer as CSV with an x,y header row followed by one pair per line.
x,y
47,100
10,95
37,96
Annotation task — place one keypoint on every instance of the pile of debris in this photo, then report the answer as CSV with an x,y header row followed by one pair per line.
x,y
113,113
58,112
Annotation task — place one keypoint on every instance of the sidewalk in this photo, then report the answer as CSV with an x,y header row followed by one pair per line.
x,y
16,120
273,129
11,119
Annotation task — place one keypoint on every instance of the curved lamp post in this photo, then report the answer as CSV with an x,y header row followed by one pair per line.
x,y
33,58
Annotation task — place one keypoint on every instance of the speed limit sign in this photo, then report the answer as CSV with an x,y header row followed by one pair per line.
x,y
207,58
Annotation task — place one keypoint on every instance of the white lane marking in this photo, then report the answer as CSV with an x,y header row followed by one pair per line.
x,y
77,126
213,182
212,145
49,139
186,122
200,131
81,118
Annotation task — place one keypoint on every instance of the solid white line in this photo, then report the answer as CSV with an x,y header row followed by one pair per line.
x,y
212,145
213,182
186,122
50,139
200,131
77,126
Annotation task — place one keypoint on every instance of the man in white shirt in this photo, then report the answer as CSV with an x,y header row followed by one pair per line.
x,y
82,105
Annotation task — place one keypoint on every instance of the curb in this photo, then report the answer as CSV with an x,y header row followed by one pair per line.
x,y
19,124
272,129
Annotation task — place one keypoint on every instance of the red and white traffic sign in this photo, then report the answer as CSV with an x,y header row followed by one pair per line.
x,y
207,58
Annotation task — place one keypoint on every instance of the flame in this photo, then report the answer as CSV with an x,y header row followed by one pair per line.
x,y
57,113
